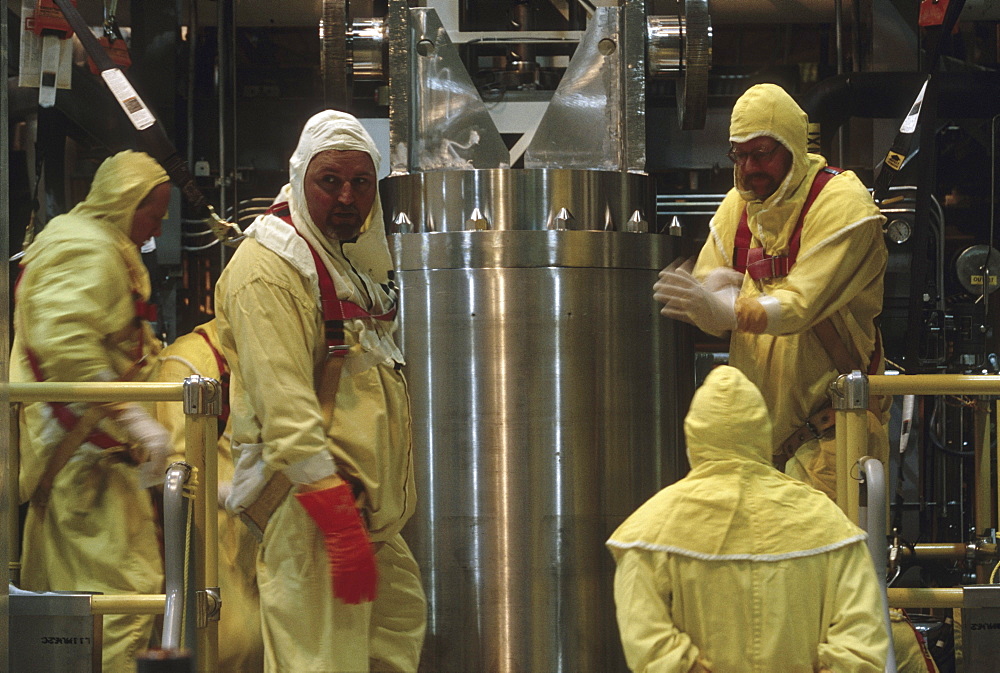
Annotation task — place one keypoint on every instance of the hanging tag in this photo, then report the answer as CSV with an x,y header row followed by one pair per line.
x,y
59,59
121,88
932,12
49,69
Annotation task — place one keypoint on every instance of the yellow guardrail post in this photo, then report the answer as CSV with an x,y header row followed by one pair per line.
x,y
202,404
849,394
983,496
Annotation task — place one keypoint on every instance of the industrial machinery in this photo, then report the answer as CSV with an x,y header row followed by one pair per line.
x,y
542,160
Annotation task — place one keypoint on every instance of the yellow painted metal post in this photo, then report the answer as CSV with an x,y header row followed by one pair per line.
x,y
983,499
849,394
202,403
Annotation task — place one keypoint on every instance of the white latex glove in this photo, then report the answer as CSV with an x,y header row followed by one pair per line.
x,y
684,298
152,438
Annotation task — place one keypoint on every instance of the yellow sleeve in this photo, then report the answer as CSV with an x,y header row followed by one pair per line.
x,y
650,639
856,638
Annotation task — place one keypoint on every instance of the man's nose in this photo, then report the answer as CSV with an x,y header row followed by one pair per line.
x,y
346,195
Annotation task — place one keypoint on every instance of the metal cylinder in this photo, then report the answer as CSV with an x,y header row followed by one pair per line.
x,y
544,401
368,50
437,201
665,45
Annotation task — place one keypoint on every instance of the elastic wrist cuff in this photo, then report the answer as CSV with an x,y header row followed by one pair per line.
x,y
750,316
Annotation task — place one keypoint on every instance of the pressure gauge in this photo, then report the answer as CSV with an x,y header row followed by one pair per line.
x,y
898,230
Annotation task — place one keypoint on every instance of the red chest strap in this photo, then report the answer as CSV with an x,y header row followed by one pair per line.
x,y
223,378
758,264
335,310
64,415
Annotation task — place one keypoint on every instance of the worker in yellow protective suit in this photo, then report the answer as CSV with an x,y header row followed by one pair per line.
x,y
241,647
793,267
306,316
738,567
80,316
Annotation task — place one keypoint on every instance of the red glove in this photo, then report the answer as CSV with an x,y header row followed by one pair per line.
x,y
352,563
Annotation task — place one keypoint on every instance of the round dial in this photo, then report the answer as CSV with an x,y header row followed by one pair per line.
x,y
899,230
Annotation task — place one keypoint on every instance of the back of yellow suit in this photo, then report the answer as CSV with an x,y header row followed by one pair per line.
x,y
738,567
241,648
76,316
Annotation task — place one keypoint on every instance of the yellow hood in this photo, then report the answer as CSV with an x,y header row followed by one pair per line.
x,y
767,110
733,504
120,184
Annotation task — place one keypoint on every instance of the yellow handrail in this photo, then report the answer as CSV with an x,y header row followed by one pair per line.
x,y
59,391
201,435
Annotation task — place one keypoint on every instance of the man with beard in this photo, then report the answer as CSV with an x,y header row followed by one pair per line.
x,y
793,267
306,316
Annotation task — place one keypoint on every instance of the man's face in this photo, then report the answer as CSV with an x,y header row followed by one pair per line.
x,y
763,164
340,188
149,215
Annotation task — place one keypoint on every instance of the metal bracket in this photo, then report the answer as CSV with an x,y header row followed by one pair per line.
x,y
202,396
850,391
209,606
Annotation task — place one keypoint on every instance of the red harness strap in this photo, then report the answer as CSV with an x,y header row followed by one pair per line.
x,y
335,310
758,264
224,379
67,419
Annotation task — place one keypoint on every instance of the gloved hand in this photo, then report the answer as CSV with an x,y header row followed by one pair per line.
x,y
725,279
152,439
352,561
684,298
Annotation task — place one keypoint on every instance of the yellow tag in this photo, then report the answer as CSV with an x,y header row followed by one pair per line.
x,y
978,280
894,160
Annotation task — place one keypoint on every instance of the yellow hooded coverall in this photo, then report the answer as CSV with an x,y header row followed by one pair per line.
x,y
76,312
837,274
738,567
241,648
285,419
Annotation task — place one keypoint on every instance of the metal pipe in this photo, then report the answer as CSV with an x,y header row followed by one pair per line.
x,y
926,598
936,551
983,496
60,391
174,544
138,604
202,402
873,519
852,443
935,384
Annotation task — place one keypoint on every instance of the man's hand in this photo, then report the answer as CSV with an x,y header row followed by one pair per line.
x,y
352,561
684,298
152,439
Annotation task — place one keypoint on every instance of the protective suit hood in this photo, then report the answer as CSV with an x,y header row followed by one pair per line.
x,y
333,130
734,504
119,185
359,269
768,110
